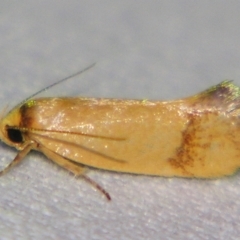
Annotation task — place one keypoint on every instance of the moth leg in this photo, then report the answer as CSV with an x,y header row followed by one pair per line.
x,y
72,167
97,186
62,162
21,154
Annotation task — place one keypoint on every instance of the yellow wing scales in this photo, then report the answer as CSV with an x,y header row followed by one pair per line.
x,y
140,125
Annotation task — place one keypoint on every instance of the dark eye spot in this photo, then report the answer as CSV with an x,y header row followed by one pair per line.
x,y
15,135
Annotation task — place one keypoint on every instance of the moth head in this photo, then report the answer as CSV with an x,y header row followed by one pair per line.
x,y
10,132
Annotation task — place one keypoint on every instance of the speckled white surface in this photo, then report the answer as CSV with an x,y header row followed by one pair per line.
x,y
143,49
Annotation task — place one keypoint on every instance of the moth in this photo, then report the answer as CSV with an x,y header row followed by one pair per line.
x,y
196,136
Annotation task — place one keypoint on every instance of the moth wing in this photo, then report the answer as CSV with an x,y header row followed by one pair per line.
x,y
127,136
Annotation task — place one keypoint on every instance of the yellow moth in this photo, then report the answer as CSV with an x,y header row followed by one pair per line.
x,y
193,137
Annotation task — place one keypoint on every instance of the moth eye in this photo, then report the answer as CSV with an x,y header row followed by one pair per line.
x,y
15,135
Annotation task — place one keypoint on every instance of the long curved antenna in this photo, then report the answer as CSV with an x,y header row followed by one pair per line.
x,y
56,83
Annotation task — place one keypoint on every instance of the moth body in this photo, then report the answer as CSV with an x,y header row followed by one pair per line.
x,y
193,137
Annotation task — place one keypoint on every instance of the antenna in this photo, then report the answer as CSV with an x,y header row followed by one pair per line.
x,y
54,84
58,82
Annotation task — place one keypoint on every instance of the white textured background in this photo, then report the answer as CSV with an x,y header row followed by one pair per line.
x,y
143,49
